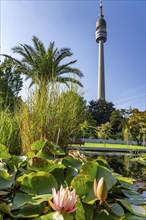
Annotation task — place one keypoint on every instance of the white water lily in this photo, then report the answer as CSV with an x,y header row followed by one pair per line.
x,y
64,200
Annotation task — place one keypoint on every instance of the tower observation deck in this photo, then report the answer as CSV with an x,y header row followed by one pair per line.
x,y
101,36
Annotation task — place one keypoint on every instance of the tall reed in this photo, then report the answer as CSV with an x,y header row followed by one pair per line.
x,y
49,112
9,131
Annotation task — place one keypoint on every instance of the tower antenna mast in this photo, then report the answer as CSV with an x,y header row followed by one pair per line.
x,y
100,7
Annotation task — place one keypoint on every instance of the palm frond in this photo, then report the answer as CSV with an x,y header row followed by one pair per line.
x,y
75,71
39,46
41,65
66,80
51,47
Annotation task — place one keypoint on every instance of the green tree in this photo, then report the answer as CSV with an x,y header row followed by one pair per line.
x,y
136,125
43,66
101,111
11,84
103,131
117,119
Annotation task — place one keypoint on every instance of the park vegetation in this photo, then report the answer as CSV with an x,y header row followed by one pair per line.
x,y
37,173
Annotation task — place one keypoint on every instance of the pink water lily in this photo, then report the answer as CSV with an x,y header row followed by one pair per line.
x,y
64,200
100,189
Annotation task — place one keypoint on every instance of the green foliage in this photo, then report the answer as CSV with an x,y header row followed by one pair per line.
x,y
136,125
137,167
117,120
9,131
101,111
11,83
43,66
25,189
51,115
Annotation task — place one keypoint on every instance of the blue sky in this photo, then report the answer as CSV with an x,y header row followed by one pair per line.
x,y
72,24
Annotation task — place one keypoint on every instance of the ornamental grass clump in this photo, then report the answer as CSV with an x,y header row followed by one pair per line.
x,y
64,200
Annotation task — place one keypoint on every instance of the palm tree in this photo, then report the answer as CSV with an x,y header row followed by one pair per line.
x,y
44,66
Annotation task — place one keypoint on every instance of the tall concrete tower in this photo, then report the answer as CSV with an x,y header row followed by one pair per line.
x,y
101,36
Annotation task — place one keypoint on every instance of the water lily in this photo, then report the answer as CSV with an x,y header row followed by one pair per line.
x,y
64,200
100,189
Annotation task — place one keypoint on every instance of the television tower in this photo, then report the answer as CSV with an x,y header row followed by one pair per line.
x,y
101,36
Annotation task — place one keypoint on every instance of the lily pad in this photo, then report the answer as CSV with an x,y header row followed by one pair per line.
x,y
30,210
55,149
38,183
117,209
37,145
80,184
6,180
20,199
135,209
132,195
103,215
126,183
93,170
72,162
42,164
51,216
80,212
132,217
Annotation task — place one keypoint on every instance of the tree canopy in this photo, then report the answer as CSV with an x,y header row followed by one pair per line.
x,y
101,111
11,84
43,66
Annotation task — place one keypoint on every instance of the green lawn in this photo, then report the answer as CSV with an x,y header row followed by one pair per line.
x,y
113,145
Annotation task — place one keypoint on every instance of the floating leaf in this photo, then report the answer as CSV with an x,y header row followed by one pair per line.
x,y
5,209
42,164
132,217
37,145
3,167
89,211
51,216
72,162
89,169
80,212
90,196
38,183
80,184
126,183
20,199
30,210
6,180
41,198
55,149
135,209
103,215
93,170
116,209
70,174
132,195
59,172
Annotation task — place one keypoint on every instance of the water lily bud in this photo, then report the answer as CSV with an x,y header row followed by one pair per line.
x,y
100,189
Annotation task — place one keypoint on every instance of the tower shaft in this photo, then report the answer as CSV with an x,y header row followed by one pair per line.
x,y
101,80
101,36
